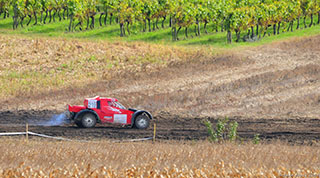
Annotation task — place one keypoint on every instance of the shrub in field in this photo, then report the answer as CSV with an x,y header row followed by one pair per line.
x,y
233,131
225,130
256,139
211,131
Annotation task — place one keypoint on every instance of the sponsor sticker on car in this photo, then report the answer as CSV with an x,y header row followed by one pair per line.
x,y
120,118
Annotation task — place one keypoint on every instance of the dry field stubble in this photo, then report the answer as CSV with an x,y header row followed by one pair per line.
x,y
42,158
40,67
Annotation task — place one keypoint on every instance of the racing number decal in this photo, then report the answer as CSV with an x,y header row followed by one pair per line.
x,y
120,118
92,103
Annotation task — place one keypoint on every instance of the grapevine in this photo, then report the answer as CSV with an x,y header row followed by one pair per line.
x,y
251,18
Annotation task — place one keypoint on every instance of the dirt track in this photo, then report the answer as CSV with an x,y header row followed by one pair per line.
x,y
294,130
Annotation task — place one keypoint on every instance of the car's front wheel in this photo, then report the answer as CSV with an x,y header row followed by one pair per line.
x,y
142,121
88,120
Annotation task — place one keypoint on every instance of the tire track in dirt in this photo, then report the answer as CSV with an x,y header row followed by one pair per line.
x,y
270,89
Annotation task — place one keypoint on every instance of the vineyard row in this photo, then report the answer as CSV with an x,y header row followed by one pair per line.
x,y
253,17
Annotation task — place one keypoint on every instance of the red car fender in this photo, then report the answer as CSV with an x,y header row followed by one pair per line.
x,y
75,108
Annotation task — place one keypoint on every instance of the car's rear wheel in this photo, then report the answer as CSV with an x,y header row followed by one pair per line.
x,y
88,120
142,121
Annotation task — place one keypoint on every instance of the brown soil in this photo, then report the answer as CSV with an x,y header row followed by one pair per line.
x,y
273,90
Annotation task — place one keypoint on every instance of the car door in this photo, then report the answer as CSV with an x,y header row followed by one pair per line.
x,y
123,117
120,115
114,114
108,113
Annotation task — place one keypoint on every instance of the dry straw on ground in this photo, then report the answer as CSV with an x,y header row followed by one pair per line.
x,y
29,66
42,158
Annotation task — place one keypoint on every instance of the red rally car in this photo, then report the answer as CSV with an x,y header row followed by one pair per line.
x,y
107,110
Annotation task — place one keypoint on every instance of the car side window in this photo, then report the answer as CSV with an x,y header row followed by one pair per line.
x,y
111,104
116,105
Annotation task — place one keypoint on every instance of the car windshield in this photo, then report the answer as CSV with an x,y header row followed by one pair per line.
x,y
118,105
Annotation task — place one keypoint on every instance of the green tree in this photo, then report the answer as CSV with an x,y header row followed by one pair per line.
x,y
149,11
163,10
184,17
4,7
18,7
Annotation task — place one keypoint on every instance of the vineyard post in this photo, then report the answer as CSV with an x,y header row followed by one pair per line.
x,y
154,133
